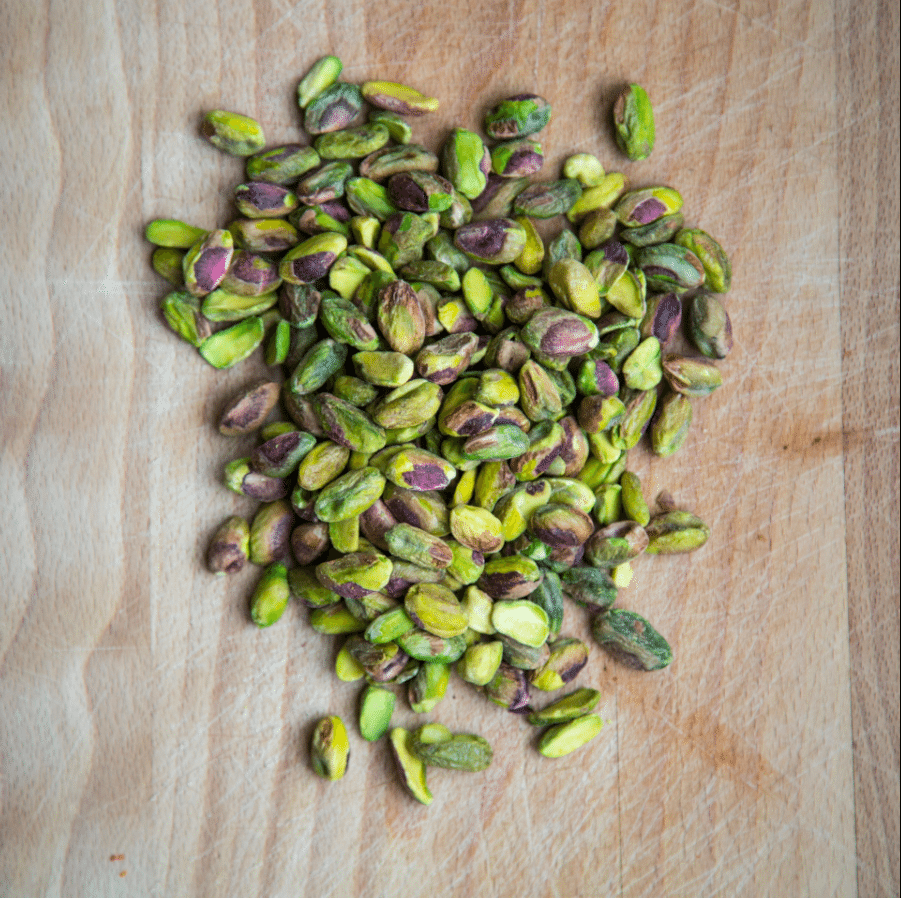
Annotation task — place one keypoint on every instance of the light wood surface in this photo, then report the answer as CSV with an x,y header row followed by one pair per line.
x,y
143,716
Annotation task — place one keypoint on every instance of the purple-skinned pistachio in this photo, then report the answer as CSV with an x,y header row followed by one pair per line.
x,y
559,335
309,541
281,454
517,116
560,526
251,275
548,199
263,235
669,267
355,574
709,326
419,469
282,165
662,318
443,361
641,207
270,532
229,547
246,411
597,378
206,263
311,260
418,546
496,241
517,158
259,199
496,200
509,688
336,107
420,192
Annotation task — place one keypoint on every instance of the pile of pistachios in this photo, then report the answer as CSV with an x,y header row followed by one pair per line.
x,y
448,469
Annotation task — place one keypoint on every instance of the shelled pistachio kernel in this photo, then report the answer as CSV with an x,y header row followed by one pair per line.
x,y
565,738
330,748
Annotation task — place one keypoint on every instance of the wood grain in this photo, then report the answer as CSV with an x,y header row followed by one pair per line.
x,y
142,715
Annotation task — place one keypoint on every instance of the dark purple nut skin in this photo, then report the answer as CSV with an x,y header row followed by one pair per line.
x,y
247,411
308,542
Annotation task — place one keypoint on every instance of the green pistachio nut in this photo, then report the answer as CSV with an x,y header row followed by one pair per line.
x,y
320,362
467,565
398,98
694,378
542,455
230,546
520,619
409,405
321,465
168,263
251,275
311,260
465,162
347,323
376,709
517,116
590,587
662,317
183,314
676,531
642,369
508,579
381,663
411,769
509,688
323,74
270,598
575,287
709,325
206,263
308,542
425,646
435,609
586,168
260,199
567,658
263,235
403,237
569,707
400,317
670,268
631,639
615,544
270,532
517,158
413,544
333,108
443,361
382,164
351,143
367,197
504,441
419,191
480,662
240,479
633,501
232,133
539,396
641,207
330,748
565,738
670,427
659,231
419,469
282,165
495,241
496,200
227,347
547,200
427,511
597,227
324,184
428,687
383,369
633,119
172,233
638,412
355,574
398,127
717,267
560,526
476,528
388,626
347,425
556,336
549,596
349,495
462,751
522,656
602,195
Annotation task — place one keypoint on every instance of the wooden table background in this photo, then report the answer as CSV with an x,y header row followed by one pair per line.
x,y
142,715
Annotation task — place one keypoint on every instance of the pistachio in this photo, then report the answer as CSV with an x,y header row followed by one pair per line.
x,y
270,598
398,127
575,286
229,547
670,426
676,531
428,687
355,574
615,544
517,158
662,318
709,326
633,501
466,162
347,668
232,133
547,200
520,619
227,347
425,646
496,200
400,317
476,528
495,240
346,323
311,260
240,479
333,108
717,267
282,165
320,362
658,231
308,542
517,116
444,360
695,378
322,464
641,207
633,118
556,336
631,639
323,74
382,164
330,748
169,265
206,263
351,143
347,425
565,738
642,370
480,662
376,709
335,620
381,663
408,405
326,183
349,495
435,609
569,707
567,658
590,587
560,526
172,233
412,544
388,626
419,191
509,688
585,168
397,98
411,769
367,197
270,532
462,751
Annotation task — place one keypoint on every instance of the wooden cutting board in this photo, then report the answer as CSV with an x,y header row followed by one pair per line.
x,y
153,741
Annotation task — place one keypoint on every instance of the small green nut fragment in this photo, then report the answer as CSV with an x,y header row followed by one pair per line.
x,y
227,347
428,686
633,119
229,547
349,495
376,709
330,748
717,267
565,738
670,427
233,133
585,168
517,116
463,751
522,620
282,165
569,707
183,314
411,769
465,162
709,326
633,501
695,378
270,598
480,662
477,528
333,108
324,73
642,369
398,98
436,610
631,639
170,232
676,531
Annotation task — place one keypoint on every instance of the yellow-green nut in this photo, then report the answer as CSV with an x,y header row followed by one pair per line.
x,y
168,262
555,335
335,620
496,240
437,274
575,286
466,418
565,738
669,268
398,127
311,260
717,267
585,168
497,387
260,199
234,344
425,646
508,579
282,165
351,143
321,361
355,574
251,275
408,405
382,164
324,73
229,547
326,183
443,361
270,532
206,263
347,425
549,199
270,598
709,326
419,469
569,707
498,443
427,511
642,369
608,504
542,454
480,662
670,427
307,589
517,158
695,378
403,237
589,587
411,769
659,231
539,397
330,748
467,564
493,480
382,663
182,312
321,465
634,504
520,619
616,543
333,108
398,98
376,708
597,227
367,197
400,317
476,528
462,751
607,265
263,235
633,118
347,323
627,432
560,526
349,495
369,605
413,544
383,369
566,659
529,261
631,639
602,195
465,162
240,479
435,609
388,626
509,688
514,508
169,232
233,133
517,116
524,657
641,207
676,531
